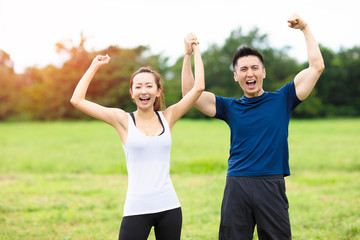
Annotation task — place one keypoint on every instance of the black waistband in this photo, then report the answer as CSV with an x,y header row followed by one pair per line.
x,y
276,176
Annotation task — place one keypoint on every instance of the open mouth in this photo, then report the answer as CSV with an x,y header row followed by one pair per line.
x,y
251,83
145,100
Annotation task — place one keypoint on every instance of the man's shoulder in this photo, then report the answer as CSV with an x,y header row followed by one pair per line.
x,y
286,86
226,99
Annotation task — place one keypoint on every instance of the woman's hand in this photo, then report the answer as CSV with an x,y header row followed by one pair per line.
x,y
101,60
189,41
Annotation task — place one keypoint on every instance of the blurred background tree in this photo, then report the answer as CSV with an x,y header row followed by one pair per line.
x,y
44,93
7,86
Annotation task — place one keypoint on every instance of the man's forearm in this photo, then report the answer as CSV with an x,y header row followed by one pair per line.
x,y
314,55
187,78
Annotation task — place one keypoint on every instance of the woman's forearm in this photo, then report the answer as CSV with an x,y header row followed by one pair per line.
x,y
83,85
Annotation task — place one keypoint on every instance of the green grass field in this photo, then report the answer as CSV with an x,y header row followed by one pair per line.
x,y
67,180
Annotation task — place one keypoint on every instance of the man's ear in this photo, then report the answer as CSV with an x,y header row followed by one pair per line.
x,y
235,76
264,72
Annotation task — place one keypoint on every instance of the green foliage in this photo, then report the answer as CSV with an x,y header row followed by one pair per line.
x,y
7,86
43,94
339,86
311,107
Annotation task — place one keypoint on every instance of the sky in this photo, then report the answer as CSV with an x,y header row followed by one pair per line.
x,y
29,29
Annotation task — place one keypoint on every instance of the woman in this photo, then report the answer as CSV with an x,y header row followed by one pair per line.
x,y
146,136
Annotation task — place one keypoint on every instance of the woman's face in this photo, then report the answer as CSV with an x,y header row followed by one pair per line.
x,y
144,90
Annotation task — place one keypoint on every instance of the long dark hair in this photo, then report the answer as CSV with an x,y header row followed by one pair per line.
x,y
159,103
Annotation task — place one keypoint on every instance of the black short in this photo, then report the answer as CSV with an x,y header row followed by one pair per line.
x,y
250,201
167,225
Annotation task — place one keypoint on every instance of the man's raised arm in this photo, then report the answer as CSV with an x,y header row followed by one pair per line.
x,y
307,78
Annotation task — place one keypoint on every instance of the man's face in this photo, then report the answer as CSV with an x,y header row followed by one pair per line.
x,y
249,73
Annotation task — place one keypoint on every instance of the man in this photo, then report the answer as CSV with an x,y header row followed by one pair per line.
x,y
255,188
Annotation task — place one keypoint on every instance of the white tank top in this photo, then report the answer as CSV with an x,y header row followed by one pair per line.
x,y
150,189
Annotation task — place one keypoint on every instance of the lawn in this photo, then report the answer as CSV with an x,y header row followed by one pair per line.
x,y
67,180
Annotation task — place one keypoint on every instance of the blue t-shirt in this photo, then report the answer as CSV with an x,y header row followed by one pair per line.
x,y
259,131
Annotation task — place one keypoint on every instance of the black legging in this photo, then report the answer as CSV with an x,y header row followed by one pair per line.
x,y
167,225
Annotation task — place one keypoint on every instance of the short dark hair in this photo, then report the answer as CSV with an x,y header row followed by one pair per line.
x,y
244,52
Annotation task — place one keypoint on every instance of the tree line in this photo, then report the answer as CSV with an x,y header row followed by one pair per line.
x,y
44,93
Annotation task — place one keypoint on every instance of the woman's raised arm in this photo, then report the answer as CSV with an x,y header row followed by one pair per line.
x,y
113,116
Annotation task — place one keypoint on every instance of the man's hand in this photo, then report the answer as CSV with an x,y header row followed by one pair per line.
x,y
297,22
189,40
